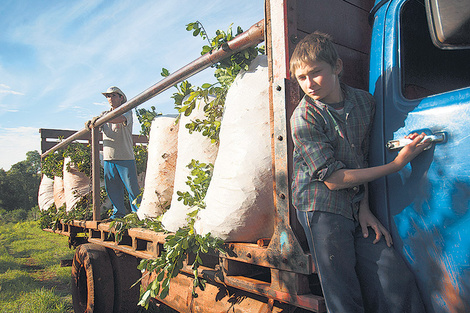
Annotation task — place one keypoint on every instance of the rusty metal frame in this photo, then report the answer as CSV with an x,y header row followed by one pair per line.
x,y
237,270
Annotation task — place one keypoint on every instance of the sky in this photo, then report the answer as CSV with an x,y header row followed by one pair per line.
x,y
57,56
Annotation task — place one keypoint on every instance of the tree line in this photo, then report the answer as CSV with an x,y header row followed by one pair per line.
x,y
19,188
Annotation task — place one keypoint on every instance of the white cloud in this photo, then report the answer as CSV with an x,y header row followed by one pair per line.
x,y
16,142
4,89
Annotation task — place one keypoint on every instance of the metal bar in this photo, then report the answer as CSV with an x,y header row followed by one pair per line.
x,y
66,142
95,174
249,38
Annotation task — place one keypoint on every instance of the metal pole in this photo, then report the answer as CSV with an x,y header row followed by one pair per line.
x,y
249,38
95,172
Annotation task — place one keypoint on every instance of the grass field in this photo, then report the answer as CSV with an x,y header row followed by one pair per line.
x,y
31,279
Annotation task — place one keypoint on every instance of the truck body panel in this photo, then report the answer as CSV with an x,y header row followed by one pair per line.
x,y
420,87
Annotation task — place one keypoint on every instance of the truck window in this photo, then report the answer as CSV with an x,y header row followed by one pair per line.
x,y
425,69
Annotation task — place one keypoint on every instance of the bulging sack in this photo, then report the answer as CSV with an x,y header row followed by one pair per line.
x,y
76,184
239,201
59,195
190,146
161,167
46,193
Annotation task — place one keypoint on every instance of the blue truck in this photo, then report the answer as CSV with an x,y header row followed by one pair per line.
x,y
414,57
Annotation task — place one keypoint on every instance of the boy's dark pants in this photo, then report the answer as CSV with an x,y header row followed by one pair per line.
x,y
355,274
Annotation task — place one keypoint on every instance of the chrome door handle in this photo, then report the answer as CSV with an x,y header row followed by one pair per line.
x,y
437,137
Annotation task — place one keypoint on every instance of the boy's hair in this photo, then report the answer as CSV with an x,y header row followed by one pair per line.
x,y
316,46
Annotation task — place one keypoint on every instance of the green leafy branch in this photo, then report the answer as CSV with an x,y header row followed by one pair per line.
x,y
131,220
184,241
52,165
145,118
83,210
213,94
141,157
80,157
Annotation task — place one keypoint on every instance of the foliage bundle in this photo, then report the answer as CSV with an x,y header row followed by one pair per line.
x,y
213,95
185,241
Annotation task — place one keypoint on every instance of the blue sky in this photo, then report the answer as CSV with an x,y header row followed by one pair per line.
x,y
57,56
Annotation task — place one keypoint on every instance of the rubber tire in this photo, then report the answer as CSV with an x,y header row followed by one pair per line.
x,y
92,280
126,274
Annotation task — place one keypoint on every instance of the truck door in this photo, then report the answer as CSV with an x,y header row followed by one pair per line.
x,y
426,205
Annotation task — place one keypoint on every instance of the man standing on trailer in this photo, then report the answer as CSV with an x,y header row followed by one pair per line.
x,y
119,161
358,272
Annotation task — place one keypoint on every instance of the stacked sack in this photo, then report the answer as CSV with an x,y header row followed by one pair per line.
x,y
161,167
46,193
76,184
190,146
239,201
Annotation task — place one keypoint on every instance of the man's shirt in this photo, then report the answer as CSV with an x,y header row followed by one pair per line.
x,y
326,141
117,140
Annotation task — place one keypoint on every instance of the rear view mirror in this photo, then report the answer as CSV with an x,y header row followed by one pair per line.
x,y
449,23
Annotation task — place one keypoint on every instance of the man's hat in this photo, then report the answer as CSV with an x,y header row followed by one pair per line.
x,y
114,89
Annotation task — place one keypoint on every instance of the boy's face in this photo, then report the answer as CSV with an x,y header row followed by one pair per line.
x,y
319,80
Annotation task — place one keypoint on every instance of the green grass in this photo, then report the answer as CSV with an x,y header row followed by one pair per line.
x,y
31,279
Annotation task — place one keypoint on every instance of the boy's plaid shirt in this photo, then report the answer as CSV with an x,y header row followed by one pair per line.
x,y
325,142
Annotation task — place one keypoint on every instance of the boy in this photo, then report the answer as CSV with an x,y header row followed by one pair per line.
x,y
330,130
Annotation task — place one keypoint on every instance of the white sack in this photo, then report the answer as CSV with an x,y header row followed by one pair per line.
x,y
161,166
76,185
239,201
190,146
46,193
59,195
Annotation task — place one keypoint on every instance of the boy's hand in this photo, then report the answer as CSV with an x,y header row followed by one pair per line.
x,y
410,151
367,219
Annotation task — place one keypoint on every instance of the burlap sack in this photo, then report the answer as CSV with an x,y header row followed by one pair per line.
x,y
239,201
59,195
161,167
190,146
46,193
76,185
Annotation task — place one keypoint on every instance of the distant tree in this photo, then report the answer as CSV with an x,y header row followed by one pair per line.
x,y
19,186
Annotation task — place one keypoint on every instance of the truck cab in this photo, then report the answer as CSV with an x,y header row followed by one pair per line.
x,y
419,76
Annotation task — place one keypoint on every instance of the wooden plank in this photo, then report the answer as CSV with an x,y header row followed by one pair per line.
x,y
363,4
345,22
51,137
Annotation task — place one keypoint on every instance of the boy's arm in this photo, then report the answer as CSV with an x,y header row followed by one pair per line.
x,y
347,178
367,219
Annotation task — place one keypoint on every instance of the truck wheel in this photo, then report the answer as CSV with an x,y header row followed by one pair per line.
x,y
92,280
126,274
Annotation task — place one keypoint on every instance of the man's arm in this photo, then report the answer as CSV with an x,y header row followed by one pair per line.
x,y
118,120
346,178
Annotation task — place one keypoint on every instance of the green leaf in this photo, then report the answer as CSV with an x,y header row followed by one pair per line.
x,y
164,292
165,72
160,276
